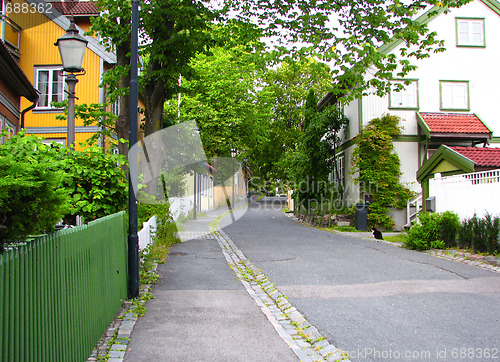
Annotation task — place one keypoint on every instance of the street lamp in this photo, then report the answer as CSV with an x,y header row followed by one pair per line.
x,y
234,151
72,49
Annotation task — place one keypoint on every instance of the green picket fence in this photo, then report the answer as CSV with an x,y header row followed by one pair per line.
x,y
59,293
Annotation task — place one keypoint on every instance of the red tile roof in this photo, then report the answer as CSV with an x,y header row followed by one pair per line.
x,y
454,123
483,157
76,8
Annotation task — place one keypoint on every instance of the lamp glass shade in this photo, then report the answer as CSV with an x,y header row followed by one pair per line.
x,y
233,152
72,49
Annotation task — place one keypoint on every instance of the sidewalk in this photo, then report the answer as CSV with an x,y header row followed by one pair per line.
x,y
200,310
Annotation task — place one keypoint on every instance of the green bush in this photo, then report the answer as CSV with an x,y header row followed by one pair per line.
x,y
93,180
31,201
450,225
466,233
441,230
492,225
433,230
480,234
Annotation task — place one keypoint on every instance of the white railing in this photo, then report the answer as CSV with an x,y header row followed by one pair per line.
x,y
180,206
413,207
475,193
146,233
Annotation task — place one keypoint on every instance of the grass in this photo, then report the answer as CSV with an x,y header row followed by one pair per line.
x,y
349,229
396,238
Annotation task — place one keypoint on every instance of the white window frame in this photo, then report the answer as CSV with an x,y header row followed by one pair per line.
x,y
406,98
470,32
48,141
115,108
454,95
51,92
6,124
340,160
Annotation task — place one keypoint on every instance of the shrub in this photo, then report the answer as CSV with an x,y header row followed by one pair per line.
x,y
480,234
31,201
492,225
93,179
466,233
433,230
450,225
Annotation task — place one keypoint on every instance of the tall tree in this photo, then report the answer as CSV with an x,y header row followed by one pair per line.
x,y
344,32
225,101
289,85
172,32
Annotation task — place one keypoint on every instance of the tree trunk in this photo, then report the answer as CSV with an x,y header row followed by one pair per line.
x,y
154,101
123,121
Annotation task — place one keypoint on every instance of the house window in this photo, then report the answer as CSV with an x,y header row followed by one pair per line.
x,y
406,97
48,141
9,126
50,84
115,108
337,175
454,95
470,32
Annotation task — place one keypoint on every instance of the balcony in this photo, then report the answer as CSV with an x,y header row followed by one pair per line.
x,y
10,34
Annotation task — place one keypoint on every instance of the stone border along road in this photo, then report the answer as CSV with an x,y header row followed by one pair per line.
x,y
303,338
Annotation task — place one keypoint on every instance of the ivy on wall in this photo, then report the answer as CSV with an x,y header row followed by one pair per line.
x,y
379,169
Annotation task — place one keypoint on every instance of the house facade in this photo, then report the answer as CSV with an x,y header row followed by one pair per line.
x,y
29,29
450,100
14,85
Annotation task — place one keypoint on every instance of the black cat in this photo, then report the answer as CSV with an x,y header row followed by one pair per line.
x,y
377,234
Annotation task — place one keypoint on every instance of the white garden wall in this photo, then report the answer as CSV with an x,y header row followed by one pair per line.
x,y
475,193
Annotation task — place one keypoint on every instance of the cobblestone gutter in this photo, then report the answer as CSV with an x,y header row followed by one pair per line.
x,y
303,338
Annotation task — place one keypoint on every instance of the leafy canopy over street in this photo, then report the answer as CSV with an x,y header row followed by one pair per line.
x,y
344,33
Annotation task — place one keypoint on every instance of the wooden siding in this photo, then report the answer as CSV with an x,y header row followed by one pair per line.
x,y
38,36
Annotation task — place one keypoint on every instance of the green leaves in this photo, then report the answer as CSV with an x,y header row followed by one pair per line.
x,y
379,168
91,181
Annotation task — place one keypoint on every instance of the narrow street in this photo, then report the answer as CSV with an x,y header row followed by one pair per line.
x,y
371,298
372,301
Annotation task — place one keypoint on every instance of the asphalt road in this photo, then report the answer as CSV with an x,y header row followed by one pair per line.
x,y
374,301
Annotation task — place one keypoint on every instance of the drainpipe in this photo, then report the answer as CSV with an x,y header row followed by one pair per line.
x,y
26,111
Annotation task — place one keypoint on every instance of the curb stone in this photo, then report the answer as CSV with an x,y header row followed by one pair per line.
x,y
305,340
488,263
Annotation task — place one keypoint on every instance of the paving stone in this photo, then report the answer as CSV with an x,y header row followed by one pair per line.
x,y
116,354
321,344
122,339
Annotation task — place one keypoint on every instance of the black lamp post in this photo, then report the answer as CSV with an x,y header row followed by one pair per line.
x,y
72,49
133,239
234,151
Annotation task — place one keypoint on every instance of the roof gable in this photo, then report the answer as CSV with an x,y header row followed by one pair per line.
x,y
460,163
454,123
456,160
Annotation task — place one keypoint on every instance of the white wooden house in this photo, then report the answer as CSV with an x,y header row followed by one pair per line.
x,y
452,98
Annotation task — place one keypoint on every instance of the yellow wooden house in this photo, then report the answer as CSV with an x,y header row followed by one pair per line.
x,y
30,28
